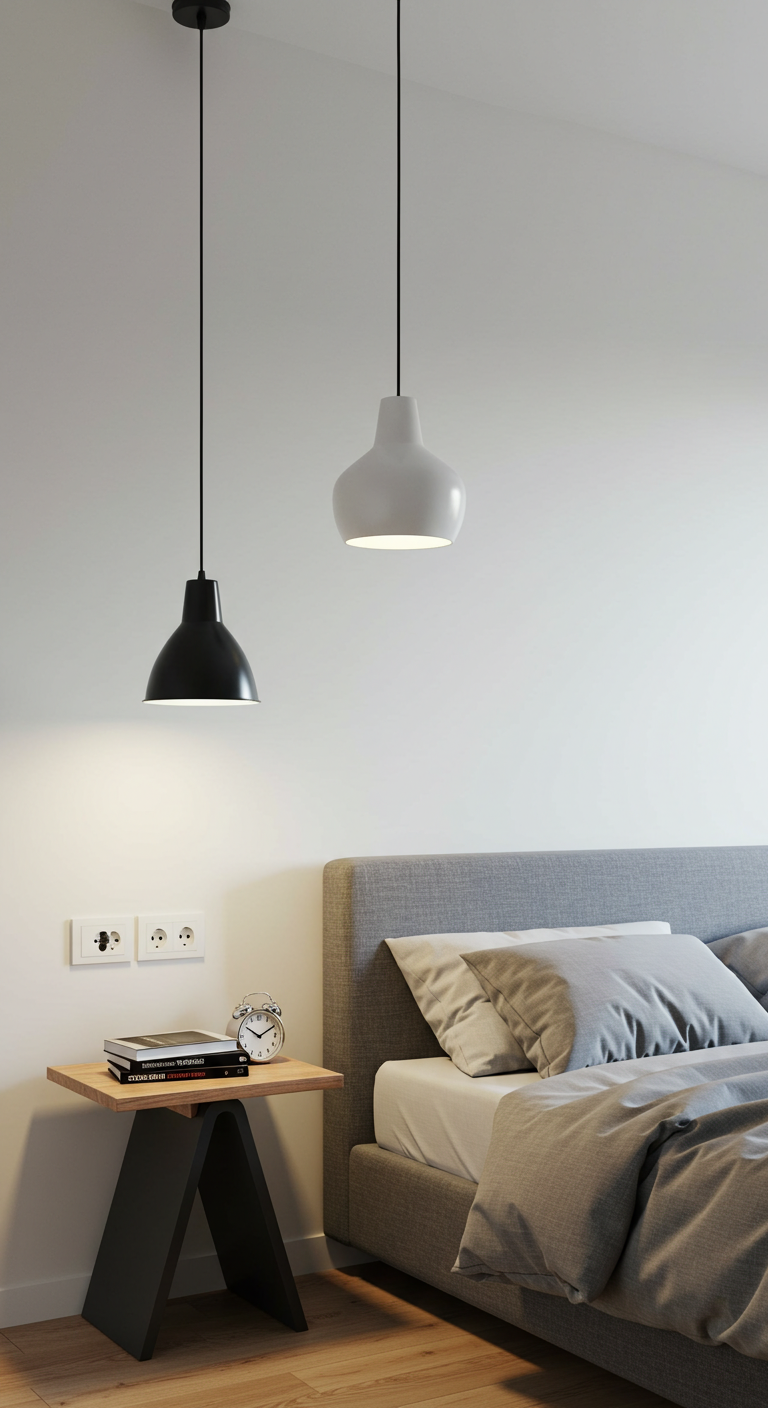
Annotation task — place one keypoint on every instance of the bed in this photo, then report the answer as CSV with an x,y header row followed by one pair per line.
x,y
412,1215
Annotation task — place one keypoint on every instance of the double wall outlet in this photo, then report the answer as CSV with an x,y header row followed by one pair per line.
x,y
164,936
102,939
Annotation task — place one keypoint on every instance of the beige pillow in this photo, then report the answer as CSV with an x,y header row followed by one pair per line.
x,y
452,1001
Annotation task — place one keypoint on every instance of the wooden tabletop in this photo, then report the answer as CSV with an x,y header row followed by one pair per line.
x,y
280,1076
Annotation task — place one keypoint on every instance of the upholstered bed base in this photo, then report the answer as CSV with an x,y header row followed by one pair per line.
x,y
413,1216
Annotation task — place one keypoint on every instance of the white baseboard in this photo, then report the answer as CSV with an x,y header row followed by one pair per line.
x,y
321,1253
42,1300
48,1300
197,1274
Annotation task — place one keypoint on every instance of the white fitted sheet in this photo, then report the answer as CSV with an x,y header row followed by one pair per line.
x,y
431,1111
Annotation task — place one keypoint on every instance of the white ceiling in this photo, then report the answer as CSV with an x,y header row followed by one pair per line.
x,y
691,75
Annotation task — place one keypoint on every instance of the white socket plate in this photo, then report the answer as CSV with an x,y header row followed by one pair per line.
x,y
86,944
184,932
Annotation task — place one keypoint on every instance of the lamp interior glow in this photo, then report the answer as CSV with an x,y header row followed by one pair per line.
x,y
214,703
398,541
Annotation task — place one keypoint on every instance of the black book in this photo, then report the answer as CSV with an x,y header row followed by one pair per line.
x,y
153,1062
196,1073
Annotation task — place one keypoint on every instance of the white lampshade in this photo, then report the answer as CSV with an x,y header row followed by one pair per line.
x,y
399,495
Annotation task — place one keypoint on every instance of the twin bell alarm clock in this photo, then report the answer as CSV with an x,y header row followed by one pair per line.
x,y
257,1027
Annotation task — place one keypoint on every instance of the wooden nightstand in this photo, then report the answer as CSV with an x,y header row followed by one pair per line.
x,y
167,1160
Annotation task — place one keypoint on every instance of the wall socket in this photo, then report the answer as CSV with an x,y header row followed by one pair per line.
x,y
171,936
101,939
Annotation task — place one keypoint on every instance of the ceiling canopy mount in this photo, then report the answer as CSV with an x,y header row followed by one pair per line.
x,y
212,13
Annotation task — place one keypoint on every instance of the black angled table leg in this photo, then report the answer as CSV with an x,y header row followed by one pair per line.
x,y
145,1229
167,1158
250,1249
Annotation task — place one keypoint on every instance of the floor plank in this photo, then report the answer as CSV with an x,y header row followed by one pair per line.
x,y
334,1364
16,1393
237,1386
445,1359
421,1385
376,1339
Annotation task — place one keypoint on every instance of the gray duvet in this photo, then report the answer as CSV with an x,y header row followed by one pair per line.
x,y
646,1197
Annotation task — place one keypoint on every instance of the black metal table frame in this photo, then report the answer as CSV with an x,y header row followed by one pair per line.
x,y
168,1158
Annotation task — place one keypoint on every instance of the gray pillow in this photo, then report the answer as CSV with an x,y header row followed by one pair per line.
x,y
747,956
583,1002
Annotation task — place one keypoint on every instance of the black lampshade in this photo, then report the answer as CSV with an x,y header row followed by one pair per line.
x,y
201,663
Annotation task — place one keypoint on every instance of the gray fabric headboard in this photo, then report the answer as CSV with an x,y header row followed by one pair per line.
x,y
369,1014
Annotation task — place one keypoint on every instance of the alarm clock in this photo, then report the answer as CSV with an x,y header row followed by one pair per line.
x,y
258,1029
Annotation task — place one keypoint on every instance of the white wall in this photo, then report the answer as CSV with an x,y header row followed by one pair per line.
x,y
586,328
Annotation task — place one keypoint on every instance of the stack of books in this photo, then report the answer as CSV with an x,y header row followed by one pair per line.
x,y
174,1056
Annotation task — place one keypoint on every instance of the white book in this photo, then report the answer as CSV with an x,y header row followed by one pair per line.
x,y
134,1048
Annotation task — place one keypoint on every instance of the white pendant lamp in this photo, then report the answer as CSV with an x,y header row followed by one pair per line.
x,y
399,495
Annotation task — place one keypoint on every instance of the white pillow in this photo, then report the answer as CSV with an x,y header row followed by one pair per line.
x,y
451,999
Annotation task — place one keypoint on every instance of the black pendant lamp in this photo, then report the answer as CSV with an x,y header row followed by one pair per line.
x,y
201,663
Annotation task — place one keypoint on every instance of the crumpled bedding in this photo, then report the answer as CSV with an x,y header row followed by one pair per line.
x,y
645,1197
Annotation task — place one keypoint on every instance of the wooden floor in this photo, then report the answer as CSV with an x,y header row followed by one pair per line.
x,y
377,1339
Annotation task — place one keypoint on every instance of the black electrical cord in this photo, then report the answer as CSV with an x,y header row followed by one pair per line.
x,y
398,197
201,26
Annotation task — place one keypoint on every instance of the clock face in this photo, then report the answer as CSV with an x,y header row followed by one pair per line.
x,y
260,1035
